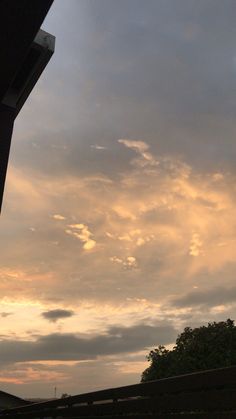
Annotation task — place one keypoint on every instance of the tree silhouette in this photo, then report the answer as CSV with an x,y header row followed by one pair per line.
x,y
202,348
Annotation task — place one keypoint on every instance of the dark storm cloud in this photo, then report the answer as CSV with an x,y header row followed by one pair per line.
x,y
207,298
162,71
71,347
158,50
54,315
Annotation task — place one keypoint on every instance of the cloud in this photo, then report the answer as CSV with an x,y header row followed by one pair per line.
x,y
180,96
174,220
195,245
81,232
69,346
129,262
58,217
31,374
141,148
5,314
57,314
97,147
74,377
208,298
174,186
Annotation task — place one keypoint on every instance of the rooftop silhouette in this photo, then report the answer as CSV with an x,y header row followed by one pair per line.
x,y
24,53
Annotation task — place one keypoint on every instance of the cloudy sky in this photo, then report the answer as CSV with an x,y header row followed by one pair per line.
x,y
118,226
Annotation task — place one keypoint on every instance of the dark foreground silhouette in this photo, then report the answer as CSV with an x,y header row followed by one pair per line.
x,y
202,348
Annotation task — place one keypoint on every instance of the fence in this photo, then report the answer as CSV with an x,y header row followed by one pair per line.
x,y
208,394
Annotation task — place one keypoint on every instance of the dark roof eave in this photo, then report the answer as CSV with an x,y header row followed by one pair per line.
x,y
19,23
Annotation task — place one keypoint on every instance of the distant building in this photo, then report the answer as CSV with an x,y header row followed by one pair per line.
x,y
39,400
8,400
25,51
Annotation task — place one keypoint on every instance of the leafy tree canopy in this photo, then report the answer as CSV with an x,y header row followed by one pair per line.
x,y
202,348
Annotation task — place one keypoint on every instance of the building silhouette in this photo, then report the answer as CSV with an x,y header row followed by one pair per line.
x,y
24,53
8,400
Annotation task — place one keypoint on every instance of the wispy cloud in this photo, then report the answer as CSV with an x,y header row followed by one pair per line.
x,y
141,148
172,219
5,314
97,147
59,217
81,232
129,262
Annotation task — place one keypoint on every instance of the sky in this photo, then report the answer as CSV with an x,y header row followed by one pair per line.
x,y
118,224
